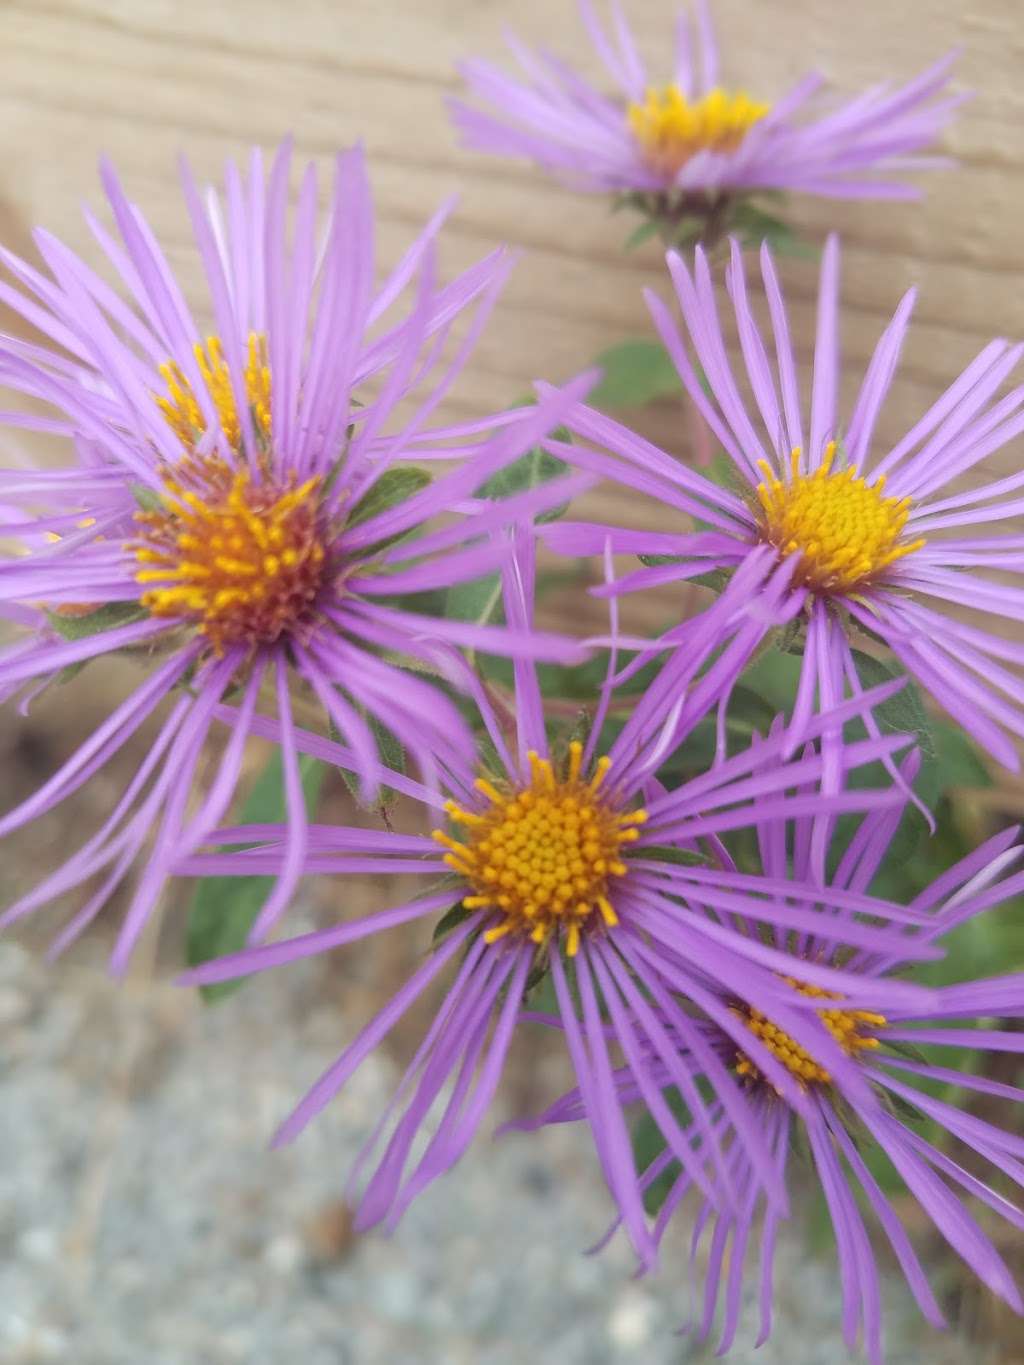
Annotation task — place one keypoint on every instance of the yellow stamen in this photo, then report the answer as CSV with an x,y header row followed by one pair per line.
x,y
544,855
181,407
243,560
846,530
845,1027
670,129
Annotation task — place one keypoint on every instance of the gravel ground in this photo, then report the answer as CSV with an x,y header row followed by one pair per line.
x,y
142,1218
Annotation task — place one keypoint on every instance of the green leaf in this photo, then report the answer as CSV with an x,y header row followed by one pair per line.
x,y
959,761
70,671
681,857
392,755
109,617
224,909
478,601
537,466
642,234
451,919
428,603
775,675
147,498
748,711
395,485
714,578
635,373
720,470
656,561
903,713
754,226
648,1145
577,682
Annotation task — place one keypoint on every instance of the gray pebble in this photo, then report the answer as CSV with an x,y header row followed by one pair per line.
x,y
143,1220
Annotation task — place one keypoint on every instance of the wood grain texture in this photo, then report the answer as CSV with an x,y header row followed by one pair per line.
x,y
144,80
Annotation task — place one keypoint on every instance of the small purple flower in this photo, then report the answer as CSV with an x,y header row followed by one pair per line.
x,y
242,510
874,540
877,1079
692,137
563,859
848,1075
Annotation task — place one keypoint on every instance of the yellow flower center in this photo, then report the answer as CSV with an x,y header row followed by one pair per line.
x,y
241,556
670,130
244,560
544,855
846,530
181,408
844,1025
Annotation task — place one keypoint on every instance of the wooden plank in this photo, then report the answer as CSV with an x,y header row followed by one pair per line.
x,y
142,80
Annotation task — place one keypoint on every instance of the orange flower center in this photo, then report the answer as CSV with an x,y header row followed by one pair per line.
x,y
845,1027
670,129
546,854
181,407
244,560
846,530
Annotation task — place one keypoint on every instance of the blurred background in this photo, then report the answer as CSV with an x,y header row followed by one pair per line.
x,y
141,1216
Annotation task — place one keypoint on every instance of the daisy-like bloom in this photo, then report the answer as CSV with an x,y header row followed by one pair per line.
x,y
877,539
860,1073
687,147
890,1083
241,514
567,857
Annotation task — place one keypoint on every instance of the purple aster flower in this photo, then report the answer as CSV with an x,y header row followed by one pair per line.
x,y
685,144
862,1081
241,512
569,857
875,539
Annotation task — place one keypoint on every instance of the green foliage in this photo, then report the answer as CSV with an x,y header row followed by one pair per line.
x,y
450,920
988,945
720,469
902,713
680,857
395,485
684,219
752,225
648,1145
577,682
715,579
642,234
537,466
431,602
635,372
82,627
479,600
391,753
109,617
224,909
149,499
775,676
